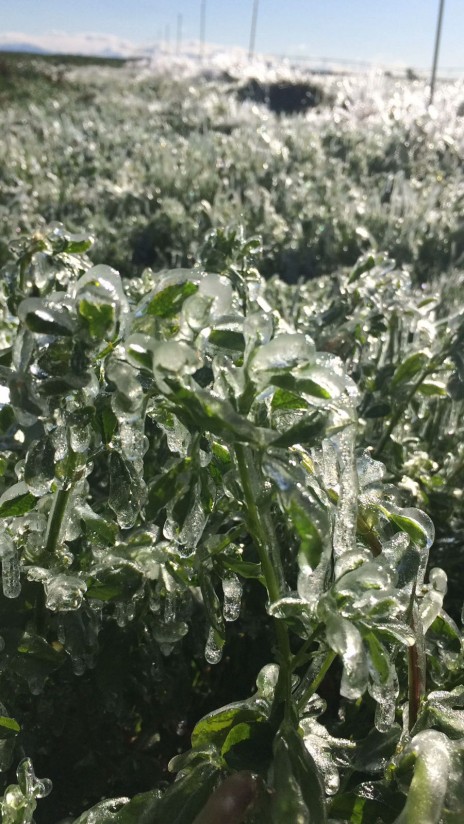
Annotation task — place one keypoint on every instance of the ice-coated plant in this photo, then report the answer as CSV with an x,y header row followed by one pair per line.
x,y
188,475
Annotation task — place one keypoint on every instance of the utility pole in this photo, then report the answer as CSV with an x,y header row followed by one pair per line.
x,y
254,19
202,27
179,33
436,50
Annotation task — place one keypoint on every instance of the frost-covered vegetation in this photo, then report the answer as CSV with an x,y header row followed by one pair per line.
x,y
230,504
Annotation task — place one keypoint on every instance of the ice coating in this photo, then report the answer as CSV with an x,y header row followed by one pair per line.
x,y
284,352
11,576
20,799
39,468
64,592
129,396
266,681
432,601
433,765
232,589
101,812
219,290
173,359
344,534
345,639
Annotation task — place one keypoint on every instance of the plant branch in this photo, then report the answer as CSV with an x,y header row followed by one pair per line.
x,y
261,528
317,680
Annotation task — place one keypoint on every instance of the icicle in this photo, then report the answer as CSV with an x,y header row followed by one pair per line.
x,y
344,535
213,652
11,578
232,589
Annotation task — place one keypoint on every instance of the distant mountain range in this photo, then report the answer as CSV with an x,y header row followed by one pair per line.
x,y
29,48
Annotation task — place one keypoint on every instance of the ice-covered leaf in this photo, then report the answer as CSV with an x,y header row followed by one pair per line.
x,y
307,431
99,318
409,368
39,470
127,490
299,789
345,639
414,522
40,318
16,501
173,360
167,302
216,726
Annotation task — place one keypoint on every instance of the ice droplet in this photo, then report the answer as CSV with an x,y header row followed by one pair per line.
x,y
232,589
213,652
11,578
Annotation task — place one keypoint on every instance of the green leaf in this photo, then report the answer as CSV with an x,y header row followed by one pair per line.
x,y
9,724
433,389
415,523
97,529
301,385
99,317
117,582
46,321
249,746
284,400
378,656
168,303
298,785
214,728
445,632
375,751
16,501
409,368
227,339
307,432
107,422
185,799
368,803
246,569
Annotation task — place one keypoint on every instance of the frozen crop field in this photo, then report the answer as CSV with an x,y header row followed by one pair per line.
x,y
231,454
149,157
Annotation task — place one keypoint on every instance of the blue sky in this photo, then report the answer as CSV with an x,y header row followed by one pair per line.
x,y
385,31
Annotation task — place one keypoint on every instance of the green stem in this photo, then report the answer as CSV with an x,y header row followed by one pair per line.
x,y
400,409
261,528
56,519
416,669
317,680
